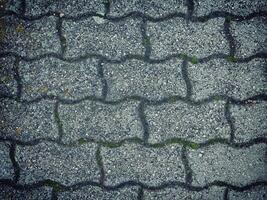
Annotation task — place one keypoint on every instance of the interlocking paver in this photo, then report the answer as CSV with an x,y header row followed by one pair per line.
x,y
55,77
182,120
132,162
153,8
72,8
113,39
58,163
100,121
6,170
257,193
250,36
249,121
27,122
30,39
221,77
137,78
91,192
180,36
223,163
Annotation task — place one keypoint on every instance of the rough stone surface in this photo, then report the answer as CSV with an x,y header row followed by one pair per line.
x,y
31,39
132,162
250,121
46,161
52,76
221,77
182,120
194,39
27,122
222,163
257,193
137,78
6,170
11,5
111,39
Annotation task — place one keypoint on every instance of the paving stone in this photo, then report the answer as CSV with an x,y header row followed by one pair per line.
x,y
100,121
222,163
153,8
220,77
257,193
249,121
90,192
6,170
55,77
236,7
27,122
182,120
72,8
137,78
11,5
8,85
8,193
111,39
250,36
132,162
178,193
30,39
194,39
51,161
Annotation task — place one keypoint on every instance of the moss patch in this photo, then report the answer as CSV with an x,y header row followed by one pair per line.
x,y
194,60
231,59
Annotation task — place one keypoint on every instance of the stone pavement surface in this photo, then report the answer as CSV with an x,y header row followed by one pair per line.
x,y
136,99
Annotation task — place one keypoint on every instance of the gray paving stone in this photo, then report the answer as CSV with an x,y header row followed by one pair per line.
x,y
132,162
6,170
100,121
222,163
154,8
236,7
11,5
257,193
27,122
178,193
71,8
181,120
249,121
221,77
8,193
194,39
30,38
8,85
111,39
58,163
250,36
90,192
55,77
137,78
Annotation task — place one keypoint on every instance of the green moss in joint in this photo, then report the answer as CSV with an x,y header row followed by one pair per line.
x,y
194,60
228,18
110,144
231,59
183,56
56,186
193,145
82,141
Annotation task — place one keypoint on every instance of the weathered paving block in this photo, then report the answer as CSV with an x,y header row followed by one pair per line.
x,y
137,78
100,121
153,8
111,39
181,120
6,169
178,193
250,36
249,121
93,192
221,77
152,166
55,77
27,122
257,193
72,8
67,165
30,38
10,193
223,163
10,5
236,7
180,36
8,85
